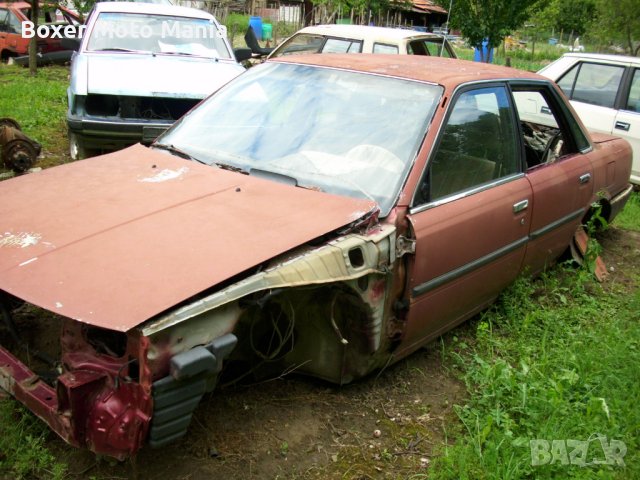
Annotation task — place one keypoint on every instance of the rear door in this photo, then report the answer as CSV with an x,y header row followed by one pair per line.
x,y
593,89
627,121
470,216
558,168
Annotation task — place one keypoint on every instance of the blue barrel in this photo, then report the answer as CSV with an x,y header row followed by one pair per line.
x,y
477,54
256,24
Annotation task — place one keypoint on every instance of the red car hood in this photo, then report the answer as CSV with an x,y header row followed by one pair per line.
x,y
114,240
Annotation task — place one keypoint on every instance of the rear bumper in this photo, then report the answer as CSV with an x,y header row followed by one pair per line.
x,y
619,201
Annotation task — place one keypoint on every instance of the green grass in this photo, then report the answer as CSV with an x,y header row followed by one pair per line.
x,y
629,218
39,104
23,453
555,359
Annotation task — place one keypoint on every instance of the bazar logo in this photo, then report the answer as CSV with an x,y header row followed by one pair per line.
x,y
167,30
575,452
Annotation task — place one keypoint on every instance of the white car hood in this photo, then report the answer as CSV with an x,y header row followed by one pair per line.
x,y
158,75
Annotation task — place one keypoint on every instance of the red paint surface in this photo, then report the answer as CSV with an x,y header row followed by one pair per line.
x,y
113,250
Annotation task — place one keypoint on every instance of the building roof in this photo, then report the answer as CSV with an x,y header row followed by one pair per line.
x,y
427,6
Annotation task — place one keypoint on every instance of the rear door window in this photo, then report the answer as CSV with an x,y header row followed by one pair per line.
x,y
633,102
593,83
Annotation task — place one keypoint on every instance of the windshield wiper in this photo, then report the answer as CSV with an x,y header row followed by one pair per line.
x,y
188,54
176,151
232,168
127,50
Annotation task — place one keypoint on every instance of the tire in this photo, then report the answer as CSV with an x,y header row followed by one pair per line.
x,y
77,150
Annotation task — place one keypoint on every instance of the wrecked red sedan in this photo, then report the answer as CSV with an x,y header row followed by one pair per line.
x,y
325,214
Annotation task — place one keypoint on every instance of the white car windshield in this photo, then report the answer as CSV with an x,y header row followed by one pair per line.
x,y
341,132
157,34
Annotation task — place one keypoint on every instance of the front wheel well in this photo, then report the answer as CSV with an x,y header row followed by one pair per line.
x,y
313,330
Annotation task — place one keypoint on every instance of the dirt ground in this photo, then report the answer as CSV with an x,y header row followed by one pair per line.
x,y
300,428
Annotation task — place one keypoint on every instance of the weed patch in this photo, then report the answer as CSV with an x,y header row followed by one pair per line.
x,y
23,453
39,104
629,218
555,359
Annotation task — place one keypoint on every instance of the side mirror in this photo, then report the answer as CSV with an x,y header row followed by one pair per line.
x,y
70,43
242,54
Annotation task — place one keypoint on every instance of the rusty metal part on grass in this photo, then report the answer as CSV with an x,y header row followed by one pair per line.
x,y
17,151
581,241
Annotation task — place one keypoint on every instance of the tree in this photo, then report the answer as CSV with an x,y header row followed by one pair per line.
x,y
490,20
575,15
620,20
565,15
33,43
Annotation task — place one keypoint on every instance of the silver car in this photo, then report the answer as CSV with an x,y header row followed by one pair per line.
x,y
139,68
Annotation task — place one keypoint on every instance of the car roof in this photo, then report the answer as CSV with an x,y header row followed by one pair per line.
x,y
153,8
604,57
365,31
444,71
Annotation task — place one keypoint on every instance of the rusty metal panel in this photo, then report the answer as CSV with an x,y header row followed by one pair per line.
x,y
114,240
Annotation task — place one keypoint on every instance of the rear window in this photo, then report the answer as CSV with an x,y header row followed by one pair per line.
x,y
384,48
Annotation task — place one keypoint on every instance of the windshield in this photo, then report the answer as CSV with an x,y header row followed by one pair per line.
x,y
157,34
340,132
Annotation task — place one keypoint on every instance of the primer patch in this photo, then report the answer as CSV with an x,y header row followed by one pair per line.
x,y
19,240
165,175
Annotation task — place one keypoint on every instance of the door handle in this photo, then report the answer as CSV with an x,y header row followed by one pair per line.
x,y
520,206
585,178
623,126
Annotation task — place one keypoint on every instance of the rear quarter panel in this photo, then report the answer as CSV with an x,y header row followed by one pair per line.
x,y
611,161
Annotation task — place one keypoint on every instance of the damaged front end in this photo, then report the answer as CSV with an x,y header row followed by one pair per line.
x,y
325,310
95,396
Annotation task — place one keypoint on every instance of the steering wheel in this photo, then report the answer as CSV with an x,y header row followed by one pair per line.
x,y
551,146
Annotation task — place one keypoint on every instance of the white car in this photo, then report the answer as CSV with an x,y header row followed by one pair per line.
x,y
605,91
139,68
364,39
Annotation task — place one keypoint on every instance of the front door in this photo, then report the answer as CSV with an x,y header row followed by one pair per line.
x,y
471,215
